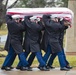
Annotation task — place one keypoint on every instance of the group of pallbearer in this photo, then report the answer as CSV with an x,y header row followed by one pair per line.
x,y
31,35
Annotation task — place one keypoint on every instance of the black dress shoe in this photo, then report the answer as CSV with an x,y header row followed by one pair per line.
x,y
18,67
29,69
50,67
64,69
43,68
6,68
3,68
12,67
26,68
69,67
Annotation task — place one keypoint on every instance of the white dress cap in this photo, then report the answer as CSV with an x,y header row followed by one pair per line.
x,y
15,16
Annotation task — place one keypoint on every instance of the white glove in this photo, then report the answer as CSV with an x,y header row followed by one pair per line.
x,y
61,19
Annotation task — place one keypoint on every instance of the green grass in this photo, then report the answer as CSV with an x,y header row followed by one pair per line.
x,y
70,58
3,30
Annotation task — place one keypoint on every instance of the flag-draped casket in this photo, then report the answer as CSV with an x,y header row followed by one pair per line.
x,y
59,12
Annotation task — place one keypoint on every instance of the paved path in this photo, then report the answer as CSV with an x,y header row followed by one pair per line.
x,y
38,72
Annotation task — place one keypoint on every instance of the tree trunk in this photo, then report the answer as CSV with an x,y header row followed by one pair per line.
x,y
3,11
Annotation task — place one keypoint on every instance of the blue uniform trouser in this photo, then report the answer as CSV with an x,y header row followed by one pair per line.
x,y
50,62
60,57
30,59
9,58
20,64
51,59
65,57
47,54
40,59
22,59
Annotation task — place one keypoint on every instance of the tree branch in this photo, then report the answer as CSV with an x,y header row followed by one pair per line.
x,y
6,3
13,4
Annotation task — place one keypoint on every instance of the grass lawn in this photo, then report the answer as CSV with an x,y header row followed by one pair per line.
x,y
3,30
70,58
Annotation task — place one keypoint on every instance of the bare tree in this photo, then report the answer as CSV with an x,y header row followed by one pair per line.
x,y
3,9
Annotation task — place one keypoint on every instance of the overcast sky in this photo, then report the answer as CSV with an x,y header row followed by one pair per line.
x,y
10,2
